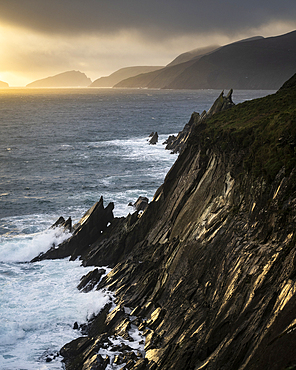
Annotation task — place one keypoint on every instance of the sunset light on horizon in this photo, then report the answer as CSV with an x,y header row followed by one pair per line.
x,y
40,39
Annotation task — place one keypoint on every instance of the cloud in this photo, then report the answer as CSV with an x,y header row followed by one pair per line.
x,y
40,38
157,19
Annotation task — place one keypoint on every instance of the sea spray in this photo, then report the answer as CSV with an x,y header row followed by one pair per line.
x,y
39,305
24,247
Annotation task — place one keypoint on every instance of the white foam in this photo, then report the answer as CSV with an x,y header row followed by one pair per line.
x,y
136,148
22,248
38,307
136,344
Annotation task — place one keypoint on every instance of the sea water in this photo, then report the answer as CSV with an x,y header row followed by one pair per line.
x,y
60,151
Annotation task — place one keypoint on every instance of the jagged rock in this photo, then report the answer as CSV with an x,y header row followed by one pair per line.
x,y
65,224
75,326
141,364
221,103
154,139
89,281
86,231
141,204
211,264
177,143
156,318
68,224
59,222
114,316
96,362
70,350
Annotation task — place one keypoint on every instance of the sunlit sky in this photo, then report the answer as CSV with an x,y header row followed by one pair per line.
x,y
41,38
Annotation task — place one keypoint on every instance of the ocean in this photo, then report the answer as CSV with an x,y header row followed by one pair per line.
x,y
60,151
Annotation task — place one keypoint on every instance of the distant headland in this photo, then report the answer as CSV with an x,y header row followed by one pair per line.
x,y
3,84
256,63
122,74
65,79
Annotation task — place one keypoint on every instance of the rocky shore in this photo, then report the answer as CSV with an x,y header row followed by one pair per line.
x,y
207,273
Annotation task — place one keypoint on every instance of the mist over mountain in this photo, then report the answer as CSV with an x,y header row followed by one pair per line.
x,y
121,74
65,79
3,84
192,54
256,63
161,77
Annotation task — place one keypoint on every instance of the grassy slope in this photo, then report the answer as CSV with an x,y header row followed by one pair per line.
x,y
265,128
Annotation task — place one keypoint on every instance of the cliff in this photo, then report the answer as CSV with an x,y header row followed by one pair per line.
x,y
256,63
208,271
65,79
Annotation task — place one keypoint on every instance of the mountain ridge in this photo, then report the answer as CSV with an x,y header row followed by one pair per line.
x,y
64,79
121,74
255,63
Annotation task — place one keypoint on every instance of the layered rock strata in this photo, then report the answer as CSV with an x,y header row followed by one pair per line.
x,y
208,272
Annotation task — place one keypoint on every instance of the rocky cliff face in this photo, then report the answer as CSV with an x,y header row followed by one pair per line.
x,y
178,143
208,272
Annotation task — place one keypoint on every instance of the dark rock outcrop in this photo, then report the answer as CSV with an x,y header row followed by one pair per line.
x,y
93,223
154,138
140,204
177,143
88,282
208,272
65,224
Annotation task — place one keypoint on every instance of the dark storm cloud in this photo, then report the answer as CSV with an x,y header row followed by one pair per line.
x,y
151,18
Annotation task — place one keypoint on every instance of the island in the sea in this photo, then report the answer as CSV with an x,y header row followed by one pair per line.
x,y
65,79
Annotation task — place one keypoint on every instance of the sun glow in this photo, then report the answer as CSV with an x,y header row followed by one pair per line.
x,y
27,55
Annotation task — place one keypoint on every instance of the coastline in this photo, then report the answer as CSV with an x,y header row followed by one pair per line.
x,y
206,267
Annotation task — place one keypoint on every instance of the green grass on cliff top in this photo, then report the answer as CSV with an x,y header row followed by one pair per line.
x,y
264,128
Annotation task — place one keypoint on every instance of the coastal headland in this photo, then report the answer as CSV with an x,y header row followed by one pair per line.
x,y
207,272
